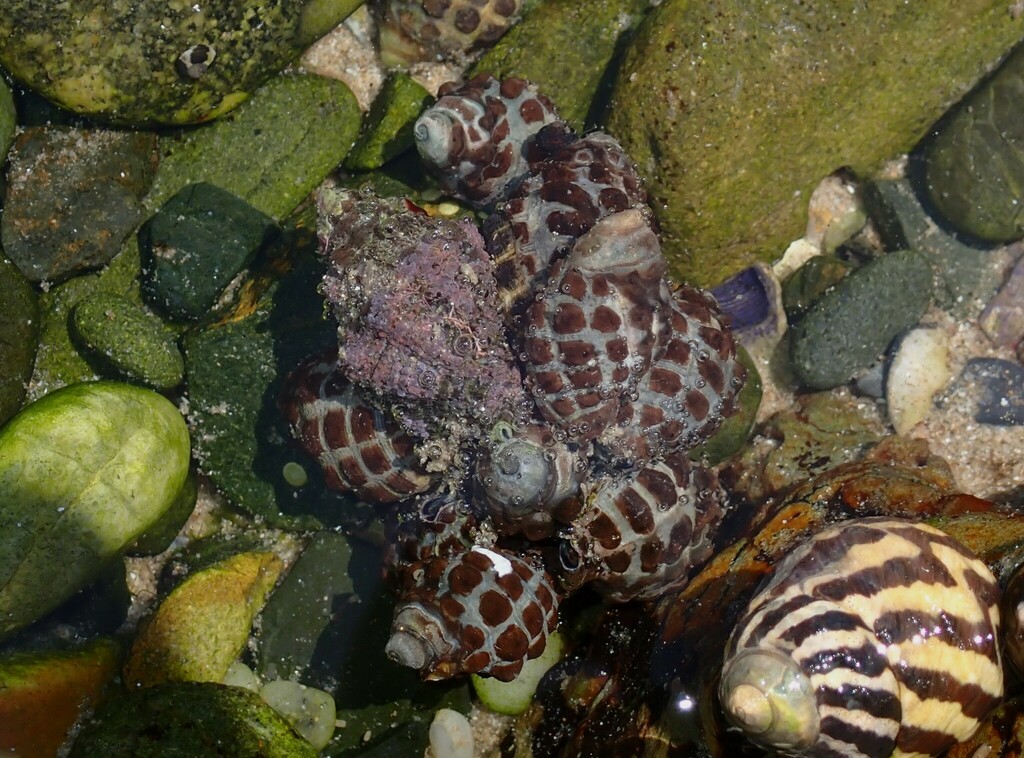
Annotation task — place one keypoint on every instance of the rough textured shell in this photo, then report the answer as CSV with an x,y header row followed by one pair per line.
x,y
893,625
639,536
484,611
359,449
474,136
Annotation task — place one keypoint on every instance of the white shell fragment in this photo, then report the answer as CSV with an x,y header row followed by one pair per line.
x,y
450,735
919,369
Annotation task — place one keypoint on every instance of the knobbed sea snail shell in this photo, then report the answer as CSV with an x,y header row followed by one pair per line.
x,y
875,635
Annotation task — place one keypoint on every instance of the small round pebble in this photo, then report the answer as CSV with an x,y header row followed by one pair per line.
x,y
451,736
120,334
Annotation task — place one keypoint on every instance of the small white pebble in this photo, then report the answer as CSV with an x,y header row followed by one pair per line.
x,y
450,735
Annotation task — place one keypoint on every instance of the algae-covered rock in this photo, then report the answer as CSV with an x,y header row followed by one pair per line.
x,y
387,129
190,719
73,196
42,695
853,323
272,151
975,165
124,340
735,111
310,711
8,119
158,537
83,472
19,315
136,63
199,630
568,49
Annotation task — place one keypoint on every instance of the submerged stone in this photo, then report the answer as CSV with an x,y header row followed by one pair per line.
x,y
19,314
388,126
998,390
723,105
8,119
72,198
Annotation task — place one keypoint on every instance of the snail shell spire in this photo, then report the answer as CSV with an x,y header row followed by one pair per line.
x,y
875,635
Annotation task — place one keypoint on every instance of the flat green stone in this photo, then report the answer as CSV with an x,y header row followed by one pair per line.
x,y
272,151
852,324
734,111
387,128
139,62
19,314
123,340
195,244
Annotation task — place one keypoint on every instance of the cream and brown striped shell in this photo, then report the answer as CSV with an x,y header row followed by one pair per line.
x,y
874,636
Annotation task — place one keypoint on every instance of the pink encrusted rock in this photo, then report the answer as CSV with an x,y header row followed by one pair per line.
x,y
1003,318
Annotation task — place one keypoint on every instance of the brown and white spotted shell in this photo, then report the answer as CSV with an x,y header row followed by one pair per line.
x,y
690,389
473,137
485,611
593,331
573,183
874,637
433,525
527,480
420,30
639,536
359,449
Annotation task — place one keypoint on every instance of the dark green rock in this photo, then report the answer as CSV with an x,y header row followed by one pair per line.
x,y
387,128
975,165
195,244
72,198
190,719
734,111
735,430
854,322
124,341
968,276
136,63
8,119
272,150
19,337
810,282
158,537
569,49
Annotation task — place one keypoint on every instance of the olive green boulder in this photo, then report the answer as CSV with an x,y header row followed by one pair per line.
x,y
19,315
975,165
387,128
142,62
83,472
190,719
8,119
735,111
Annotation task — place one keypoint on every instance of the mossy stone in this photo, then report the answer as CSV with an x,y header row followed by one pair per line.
x,y
190,719
809,282
853,323
139,63
19,314
975,164
734,111
195,244
387,128
158,537
272,151
8,119
569,49
125,341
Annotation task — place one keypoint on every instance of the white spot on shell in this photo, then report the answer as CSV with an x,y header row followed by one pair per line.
x,y
502,565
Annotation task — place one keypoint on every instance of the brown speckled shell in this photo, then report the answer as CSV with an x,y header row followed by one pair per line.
x,y
592,333
639,536
357,447
434,525
690,389
428,29
492,617
474,136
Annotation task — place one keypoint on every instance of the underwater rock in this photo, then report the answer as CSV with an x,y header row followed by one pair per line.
x,y
735,189
919,369
475,136
975,164
854,322
421,30
484,611
451,735
1003,317
824,659
310,711
139,63
19,313
807,284
72,197
997,388
388,127
8,120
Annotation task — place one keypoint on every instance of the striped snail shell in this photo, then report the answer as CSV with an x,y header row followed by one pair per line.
x,y
523,477
639,536
874,635
472,138
591,335
690,389
359,449
484,611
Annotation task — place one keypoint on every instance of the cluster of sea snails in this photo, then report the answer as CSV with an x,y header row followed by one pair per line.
x,y
521,404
